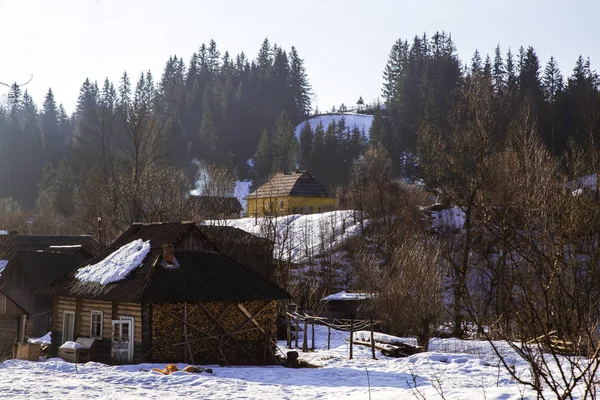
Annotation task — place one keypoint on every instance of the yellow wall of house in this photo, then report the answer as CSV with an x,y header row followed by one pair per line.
x,y
289,205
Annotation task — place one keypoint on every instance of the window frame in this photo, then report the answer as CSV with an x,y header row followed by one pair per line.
x,y
92,332
64,325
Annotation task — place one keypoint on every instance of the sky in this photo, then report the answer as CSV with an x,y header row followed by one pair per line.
x,y
345,43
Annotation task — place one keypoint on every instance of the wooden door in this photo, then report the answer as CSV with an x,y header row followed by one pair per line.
x,y
122,341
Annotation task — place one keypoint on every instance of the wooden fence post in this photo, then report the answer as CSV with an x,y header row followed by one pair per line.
x,y
289,331
351,336
328,337
304,337
313,335
372,341
297,331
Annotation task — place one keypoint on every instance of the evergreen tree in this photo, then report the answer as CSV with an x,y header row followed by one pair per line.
x,y
54,142
299,85
499,73
306,146
552,81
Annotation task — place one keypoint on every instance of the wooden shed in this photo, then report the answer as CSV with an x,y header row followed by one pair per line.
x,y
186,301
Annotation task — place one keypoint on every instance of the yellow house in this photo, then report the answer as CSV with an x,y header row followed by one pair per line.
x,y
290,193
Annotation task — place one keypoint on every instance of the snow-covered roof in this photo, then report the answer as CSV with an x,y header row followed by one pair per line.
x,y
46,339
71,345
117,265
345,296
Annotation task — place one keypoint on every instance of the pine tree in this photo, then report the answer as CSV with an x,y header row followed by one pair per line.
x,y
552,81
299,84
285,144
54,143
499,73
512,81
306,146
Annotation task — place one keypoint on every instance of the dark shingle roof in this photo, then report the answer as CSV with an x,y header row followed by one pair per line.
x,y
38,269
42,267
158,233
200,277
42,242
298,184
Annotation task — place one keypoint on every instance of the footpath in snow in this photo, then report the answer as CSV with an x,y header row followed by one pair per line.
x,y
458,375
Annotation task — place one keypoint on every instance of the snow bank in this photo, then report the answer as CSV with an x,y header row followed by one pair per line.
x,y
46,339
3,264
347,296
365,336
299,237
71,345
117,265
362,121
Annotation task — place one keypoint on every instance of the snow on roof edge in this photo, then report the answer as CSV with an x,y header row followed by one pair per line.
x,y
117,265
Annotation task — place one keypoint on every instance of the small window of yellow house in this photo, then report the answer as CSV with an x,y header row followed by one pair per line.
x,y
282,204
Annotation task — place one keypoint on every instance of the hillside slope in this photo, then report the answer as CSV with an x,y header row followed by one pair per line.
x,y
362,121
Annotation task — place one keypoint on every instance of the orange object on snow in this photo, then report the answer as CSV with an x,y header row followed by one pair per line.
x,y
168,370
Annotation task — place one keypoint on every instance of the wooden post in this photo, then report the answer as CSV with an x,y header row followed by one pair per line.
x,y
312,337
23,327
185,334
289,331
351,336
372,341
297,331
304,337
328,337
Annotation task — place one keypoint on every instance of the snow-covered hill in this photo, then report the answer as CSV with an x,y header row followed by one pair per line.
x,y
362,121
298,237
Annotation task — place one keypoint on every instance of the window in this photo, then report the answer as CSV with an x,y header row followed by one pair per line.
x,y
96,324
68,326
281,204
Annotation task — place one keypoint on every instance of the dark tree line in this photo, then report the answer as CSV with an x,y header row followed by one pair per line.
x,y
226,110
214,107
423,80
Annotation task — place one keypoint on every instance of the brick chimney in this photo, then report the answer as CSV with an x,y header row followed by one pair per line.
x,y
168,254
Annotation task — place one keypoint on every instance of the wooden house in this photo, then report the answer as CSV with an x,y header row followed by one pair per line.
x,y
185,301
290,193
27,264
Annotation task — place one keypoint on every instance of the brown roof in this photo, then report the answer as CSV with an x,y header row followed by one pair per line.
x,y
298,184
200,277
158,233
43,242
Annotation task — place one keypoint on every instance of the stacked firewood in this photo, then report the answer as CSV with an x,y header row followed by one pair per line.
x,y
217,332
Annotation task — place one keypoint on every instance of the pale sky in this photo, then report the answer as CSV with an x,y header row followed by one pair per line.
x,y
345,43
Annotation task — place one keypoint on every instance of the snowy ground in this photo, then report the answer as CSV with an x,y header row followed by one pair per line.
x,y
458,376
361,121
300,237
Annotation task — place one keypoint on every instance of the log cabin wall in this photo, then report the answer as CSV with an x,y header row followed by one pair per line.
x,y
83,316
61,304
7,306
192,242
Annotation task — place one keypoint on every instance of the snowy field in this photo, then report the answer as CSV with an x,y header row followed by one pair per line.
x,y
426,375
